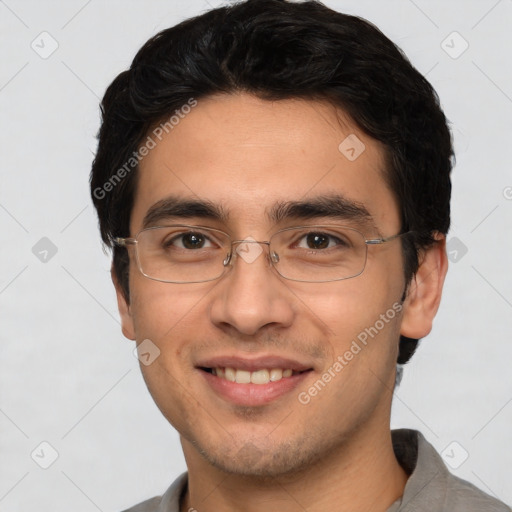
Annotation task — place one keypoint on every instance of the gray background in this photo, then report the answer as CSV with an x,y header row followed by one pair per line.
x,y
69,378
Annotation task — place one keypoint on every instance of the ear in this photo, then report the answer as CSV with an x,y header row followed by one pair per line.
x,y
124,308
425,289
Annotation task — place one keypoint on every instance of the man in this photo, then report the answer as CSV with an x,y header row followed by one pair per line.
x,y
274,179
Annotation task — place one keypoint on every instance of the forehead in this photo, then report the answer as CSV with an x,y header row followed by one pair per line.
x,y
248,155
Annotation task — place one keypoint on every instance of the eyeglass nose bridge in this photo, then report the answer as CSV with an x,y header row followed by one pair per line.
x,y
274,257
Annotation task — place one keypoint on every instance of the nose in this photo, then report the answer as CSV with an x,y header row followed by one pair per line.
x,y
251,295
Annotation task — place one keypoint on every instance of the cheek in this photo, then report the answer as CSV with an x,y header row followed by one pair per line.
x,y
158,308
167,384
348,307
363,315
163,313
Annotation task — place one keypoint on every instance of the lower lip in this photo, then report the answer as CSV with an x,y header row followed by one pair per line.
x,y
253,394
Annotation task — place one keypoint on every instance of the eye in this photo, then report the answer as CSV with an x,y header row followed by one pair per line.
x,y
318,240
188,240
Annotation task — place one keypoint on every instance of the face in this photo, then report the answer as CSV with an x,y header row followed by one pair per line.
x,y
245,155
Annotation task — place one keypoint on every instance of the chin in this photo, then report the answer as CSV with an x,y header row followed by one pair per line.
x,y
264,462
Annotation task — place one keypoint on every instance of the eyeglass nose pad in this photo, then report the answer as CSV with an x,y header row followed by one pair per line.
x,y
227,259
274,256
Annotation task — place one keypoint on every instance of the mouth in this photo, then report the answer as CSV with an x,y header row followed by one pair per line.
x,y
260,377
258,382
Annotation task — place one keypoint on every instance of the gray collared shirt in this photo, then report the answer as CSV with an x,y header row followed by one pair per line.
x,y
430,487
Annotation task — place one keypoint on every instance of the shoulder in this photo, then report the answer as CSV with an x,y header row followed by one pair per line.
x,y
463,496
168,502
151,505
431,486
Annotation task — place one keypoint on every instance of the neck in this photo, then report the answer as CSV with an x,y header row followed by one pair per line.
x,y
362,474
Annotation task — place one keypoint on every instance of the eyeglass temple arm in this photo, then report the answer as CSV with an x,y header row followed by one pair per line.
x,y
376,241
124,242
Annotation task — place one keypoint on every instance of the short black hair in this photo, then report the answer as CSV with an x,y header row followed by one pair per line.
x,y
276,49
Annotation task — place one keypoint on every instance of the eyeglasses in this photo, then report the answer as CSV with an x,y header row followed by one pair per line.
x,y
197,254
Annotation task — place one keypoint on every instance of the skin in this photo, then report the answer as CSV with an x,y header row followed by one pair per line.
x,y
246,153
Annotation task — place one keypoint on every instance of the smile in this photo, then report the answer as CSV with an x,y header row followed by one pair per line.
x,y
262,376
253,384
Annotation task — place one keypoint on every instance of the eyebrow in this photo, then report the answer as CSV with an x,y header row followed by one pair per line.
x,y
331,206
183,208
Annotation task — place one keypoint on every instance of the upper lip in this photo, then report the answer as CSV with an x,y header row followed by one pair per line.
x,y
253,364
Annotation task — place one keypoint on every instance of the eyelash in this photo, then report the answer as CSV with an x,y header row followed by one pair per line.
x,y
168,243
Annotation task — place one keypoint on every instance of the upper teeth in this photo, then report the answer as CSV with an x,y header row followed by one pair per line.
x,y
263,376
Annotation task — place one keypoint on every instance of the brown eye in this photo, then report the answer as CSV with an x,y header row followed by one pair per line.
x,y
189,240
320,241
193,240
317,241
